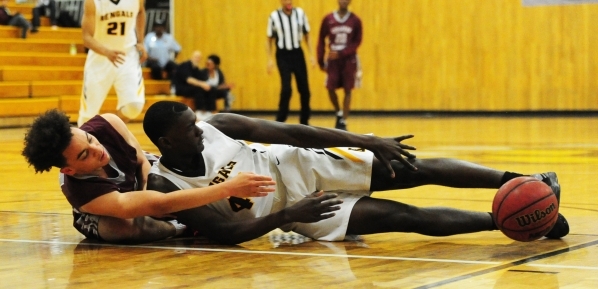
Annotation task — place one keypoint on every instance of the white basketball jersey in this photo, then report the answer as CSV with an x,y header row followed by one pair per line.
x,y
225,159
115,23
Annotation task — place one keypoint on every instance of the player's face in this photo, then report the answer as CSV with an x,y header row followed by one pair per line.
x,y
344,4
287,4
185,137
84,155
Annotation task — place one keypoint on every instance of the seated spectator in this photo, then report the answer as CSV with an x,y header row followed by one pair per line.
x,y
189,81
40,9
220,89
6,18
161,47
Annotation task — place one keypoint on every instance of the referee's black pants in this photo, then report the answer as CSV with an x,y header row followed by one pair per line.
x,y
292,62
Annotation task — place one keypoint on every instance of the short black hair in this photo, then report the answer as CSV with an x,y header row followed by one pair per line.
x,y
215,58
161,117
46,140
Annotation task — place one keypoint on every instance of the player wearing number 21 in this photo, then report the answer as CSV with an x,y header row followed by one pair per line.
x,y
113,30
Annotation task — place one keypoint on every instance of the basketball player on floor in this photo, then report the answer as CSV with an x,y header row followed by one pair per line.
x,y
103,172
113,30
344,33
208,153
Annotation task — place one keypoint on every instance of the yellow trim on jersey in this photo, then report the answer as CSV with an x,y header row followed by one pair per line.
x,y
346,154
139,90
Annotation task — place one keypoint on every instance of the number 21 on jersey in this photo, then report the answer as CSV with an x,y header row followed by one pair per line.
x,y
116,28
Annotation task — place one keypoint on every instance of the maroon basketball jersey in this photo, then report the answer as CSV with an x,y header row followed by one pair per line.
x,y
344,35
80,191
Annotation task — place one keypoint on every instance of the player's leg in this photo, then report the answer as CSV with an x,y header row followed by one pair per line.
x,y
346,104
130,88
437,171
458,174
349,71
371,215
137,230
284,69
300,71
332,83
98,78
334,99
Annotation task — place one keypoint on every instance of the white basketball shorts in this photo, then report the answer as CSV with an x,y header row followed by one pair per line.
x,y
345,171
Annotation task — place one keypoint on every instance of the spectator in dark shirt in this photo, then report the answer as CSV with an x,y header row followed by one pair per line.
x,y
7,18
189,81
219,87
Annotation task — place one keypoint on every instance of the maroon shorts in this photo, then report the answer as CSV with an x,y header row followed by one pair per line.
x,y
341,73
86,224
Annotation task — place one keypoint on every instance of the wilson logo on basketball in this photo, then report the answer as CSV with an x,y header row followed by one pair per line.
x,y
536,216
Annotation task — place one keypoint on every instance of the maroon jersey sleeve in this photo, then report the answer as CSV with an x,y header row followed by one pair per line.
x,y
324,31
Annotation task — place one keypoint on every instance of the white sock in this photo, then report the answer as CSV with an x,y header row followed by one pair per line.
x,y
180,228
339,113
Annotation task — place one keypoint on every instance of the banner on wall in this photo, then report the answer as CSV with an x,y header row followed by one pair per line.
x,y
556,2
157,11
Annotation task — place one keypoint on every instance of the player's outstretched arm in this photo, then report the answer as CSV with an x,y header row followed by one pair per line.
x,y
265,131
212,225
154,203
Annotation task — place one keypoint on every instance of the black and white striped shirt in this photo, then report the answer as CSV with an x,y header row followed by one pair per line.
x,y
287,29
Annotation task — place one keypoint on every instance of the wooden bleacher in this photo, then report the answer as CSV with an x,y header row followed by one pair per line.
x,y
39,73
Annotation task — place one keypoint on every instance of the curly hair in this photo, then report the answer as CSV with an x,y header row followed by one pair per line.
x,y
46,140
160,117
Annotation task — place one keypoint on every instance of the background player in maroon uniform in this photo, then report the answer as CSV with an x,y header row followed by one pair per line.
x,y
344,32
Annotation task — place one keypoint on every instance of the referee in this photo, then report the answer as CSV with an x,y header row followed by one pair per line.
x,y
286,27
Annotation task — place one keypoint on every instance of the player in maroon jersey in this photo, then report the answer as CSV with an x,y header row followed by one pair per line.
x,y
343,30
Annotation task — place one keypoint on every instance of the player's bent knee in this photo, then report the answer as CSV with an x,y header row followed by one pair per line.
x,y
132,110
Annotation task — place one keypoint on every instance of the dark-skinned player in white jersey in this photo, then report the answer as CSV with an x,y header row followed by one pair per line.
x,y
310,160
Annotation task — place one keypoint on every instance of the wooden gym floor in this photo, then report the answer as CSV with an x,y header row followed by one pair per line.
x,y
40,249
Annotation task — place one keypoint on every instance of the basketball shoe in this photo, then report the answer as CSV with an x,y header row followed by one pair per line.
x,y
561,227
340,123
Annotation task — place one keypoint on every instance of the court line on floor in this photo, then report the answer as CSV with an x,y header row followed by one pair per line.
x,y
563,266
525,261
500,265
258,252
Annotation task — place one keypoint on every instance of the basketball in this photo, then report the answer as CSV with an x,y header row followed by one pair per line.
x,y
525,209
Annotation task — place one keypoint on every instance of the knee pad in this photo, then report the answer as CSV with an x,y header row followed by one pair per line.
x,y
132,110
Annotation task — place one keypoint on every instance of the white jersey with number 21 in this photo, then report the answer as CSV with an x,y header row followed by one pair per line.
x,y
115,23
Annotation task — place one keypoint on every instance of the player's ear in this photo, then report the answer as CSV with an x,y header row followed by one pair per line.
x,y
164,142
67,171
